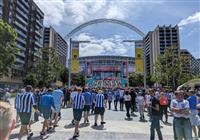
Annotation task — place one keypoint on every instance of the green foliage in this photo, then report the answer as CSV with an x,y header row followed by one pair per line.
x,y
47,69
30,79
168,68
150,81
8,48
136,79
64,75
78,79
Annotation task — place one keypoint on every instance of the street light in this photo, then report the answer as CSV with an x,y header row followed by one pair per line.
x,y
70,56
131,41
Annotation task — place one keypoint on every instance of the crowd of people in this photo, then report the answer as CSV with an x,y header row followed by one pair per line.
x,y
158,103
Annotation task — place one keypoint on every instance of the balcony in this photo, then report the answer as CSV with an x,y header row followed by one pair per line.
x,y
38,44
21,20
38,33
22,13
21,40
39,23
21,33
19,61
21,54
22,7
20,26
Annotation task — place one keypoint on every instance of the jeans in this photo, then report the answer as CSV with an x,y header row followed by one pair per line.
x,y
183,129
128,107
121,101
155,124
163,110
109,105
115,104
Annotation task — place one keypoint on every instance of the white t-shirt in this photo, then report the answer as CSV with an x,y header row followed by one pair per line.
x,y
73,95
140,100
180,105
148,99
127,97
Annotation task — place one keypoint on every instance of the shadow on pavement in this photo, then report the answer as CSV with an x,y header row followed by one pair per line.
x,y
14,136
143,121
72,139
99,127
168,124
69,126
134,115
84,125
128,119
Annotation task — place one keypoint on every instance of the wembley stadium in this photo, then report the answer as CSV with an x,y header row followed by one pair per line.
x,y
106,71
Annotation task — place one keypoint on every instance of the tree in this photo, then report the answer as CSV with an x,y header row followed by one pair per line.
x,y
168,68
78,79
30,79
8,48
150,80
135,79
64,75
47,69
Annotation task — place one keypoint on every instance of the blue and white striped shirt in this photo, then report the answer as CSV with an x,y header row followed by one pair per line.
x,y
99,100
25,102
78,102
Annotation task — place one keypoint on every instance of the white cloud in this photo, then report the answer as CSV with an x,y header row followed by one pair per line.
x,y
190,20
115,12
54,11
108,46
77,12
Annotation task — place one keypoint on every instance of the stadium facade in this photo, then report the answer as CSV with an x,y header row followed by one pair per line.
x,y
106,71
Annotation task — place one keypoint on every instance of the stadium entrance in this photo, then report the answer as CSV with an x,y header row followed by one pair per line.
x,y
106,71
102,71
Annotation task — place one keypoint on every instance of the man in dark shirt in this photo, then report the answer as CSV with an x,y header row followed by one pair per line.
x,y
155,123
133,96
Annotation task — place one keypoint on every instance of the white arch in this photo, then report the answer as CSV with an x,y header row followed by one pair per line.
x,y
103,20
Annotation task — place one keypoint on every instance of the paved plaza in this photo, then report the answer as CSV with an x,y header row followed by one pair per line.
x,y
117,127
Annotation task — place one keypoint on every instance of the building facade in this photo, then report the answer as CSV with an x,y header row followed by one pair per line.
x,y
27,20
196,66
188,59
156,41
107,71
54,40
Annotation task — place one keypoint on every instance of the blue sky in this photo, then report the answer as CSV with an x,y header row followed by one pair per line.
x,y
65,15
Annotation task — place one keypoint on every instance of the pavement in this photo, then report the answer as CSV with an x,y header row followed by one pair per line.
x,y
117,127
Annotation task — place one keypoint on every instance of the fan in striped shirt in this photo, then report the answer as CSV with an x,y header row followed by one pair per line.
x,y
25,103
99,107
78,105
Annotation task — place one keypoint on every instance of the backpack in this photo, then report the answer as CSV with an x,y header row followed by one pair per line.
x,y
163,101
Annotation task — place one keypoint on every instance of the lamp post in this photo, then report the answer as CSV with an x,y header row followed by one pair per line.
x,y
70,57
144,55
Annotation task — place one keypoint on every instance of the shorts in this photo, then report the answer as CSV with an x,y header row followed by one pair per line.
x,y
58,108
77,114
46,113
99,110
86,108
140,108
194,118
25,118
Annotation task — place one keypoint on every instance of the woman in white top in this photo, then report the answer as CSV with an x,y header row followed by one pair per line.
x,y
127,100
141,103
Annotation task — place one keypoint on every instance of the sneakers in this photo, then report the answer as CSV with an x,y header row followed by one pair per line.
x,y
73,123
95,124
76,135
29,135
102,123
